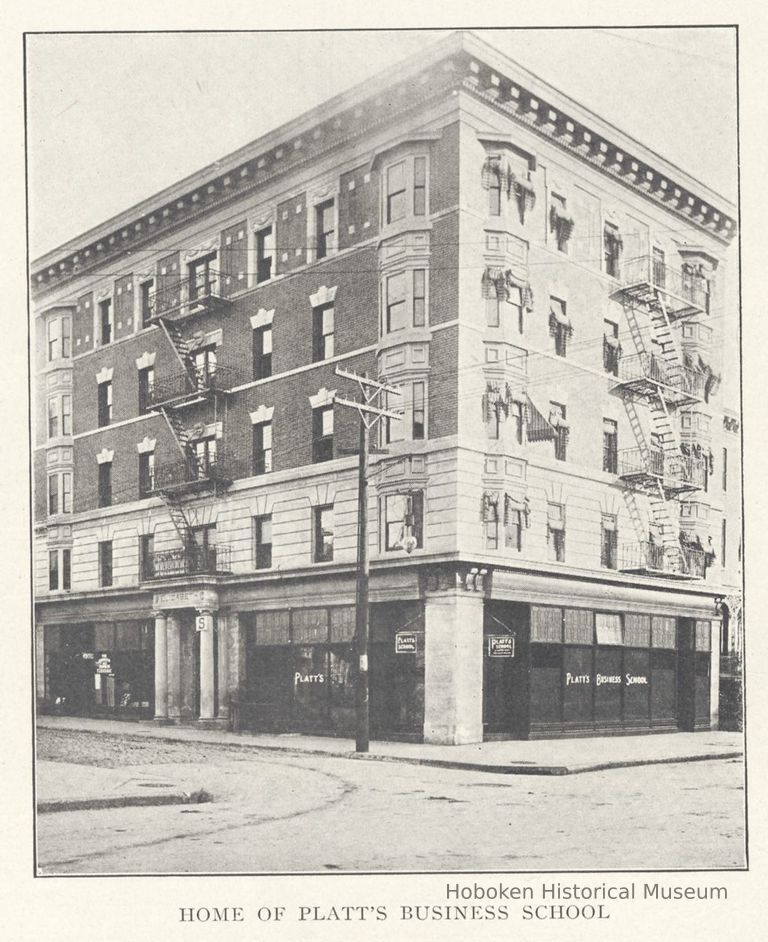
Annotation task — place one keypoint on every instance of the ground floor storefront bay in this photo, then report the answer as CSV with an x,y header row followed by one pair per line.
x,y
453,664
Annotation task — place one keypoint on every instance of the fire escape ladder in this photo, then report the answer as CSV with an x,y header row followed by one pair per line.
x,y
664,428
638,522
667,527
180,346
634,327
180,433
182,519
665,337
637,427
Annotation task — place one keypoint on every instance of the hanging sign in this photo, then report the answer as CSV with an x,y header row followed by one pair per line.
x,y
501,646
200,623
104,664
405,642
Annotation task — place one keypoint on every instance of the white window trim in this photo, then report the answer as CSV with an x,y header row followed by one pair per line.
x,y
145,361
261,415
323,397
204,248
105,375
209,430
323,296
147,445
262,318
105,456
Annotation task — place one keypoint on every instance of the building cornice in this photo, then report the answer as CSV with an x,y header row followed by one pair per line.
x,y
459,62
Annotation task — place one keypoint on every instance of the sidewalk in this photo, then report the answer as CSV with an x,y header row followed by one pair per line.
x,y
64,786
509,757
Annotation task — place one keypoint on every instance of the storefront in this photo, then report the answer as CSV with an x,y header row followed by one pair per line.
x,y
300,671
100,668
579,672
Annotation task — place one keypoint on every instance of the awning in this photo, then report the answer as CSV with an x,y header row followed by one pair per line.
x,y
538,428
612,341
489,506
516,505
557,421
561,318
494,283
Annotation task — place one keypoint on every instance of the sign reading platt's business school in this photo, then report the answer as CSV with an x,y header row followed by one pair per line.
x,y
501,645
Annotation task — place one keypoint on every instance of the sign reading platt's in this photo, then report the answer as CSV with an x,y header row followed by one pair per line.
x,y
501,646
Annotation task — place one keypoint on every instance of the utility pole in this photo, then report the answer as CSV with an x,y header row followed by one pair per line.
x,y
371,411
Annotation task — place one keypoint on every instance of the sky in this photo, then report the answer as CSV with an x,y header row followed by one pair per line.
x,y
114,118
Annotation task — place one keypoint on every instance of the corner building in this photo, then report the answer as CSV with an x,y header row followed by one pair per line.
x,y
556,305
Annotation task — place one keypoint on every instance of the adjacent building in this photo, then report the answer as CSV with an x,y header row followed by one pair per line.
x,y
554,516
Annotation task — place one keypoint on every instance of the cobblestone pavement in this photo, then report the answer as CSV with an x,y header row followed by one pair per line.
x,y
292,813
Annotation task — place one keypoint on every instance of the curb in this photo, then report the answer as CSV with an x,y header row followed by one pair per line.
x,y
464,766
124,801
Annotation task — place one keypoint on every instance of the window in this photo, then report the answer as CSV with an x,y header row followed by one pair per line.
x,y
395,208
560,222
265,247
262,542
494,193
419,186
723,541
54,416
396,312
59,338
205,455
609,541
105,484
146,556
105,563
60,493
325,228
146,473
659,267
492,534
262,352
59,415
59,569
322,434
418,427
205,540
611,347
146,388
146,299
419,297
556,532
201,277
403,521
516,414
205,364
515,300
322,332
323,534
105,319
558,422
610,446
725,470
612,245
105,403
559,325
513,530
262,448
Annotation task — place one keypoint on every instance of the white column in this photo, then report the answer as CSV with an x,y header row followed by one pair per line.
x,y
161,667
453,668
174,666
205,630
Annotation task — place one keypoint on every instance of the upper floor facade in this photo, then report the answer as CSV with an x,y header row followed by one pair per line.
x,y
491,249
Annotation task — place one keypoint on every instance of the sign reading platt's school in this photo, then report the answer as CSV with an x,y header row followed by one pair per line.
x,y
405,642
501,646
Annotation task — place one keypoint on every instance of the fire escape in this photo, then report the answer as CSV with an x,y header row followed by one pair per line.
x,y
198,471
658,376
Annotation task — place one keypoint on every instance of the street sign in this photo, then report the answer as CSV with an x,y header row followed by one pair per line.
x,y
405,642
501,646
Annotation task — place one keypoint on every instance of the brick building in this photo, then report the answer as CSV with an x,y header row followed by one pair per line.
x,y
557,306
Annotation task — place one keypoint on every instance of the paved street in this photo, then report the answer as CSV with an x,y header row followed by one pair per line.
x,y
313,813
